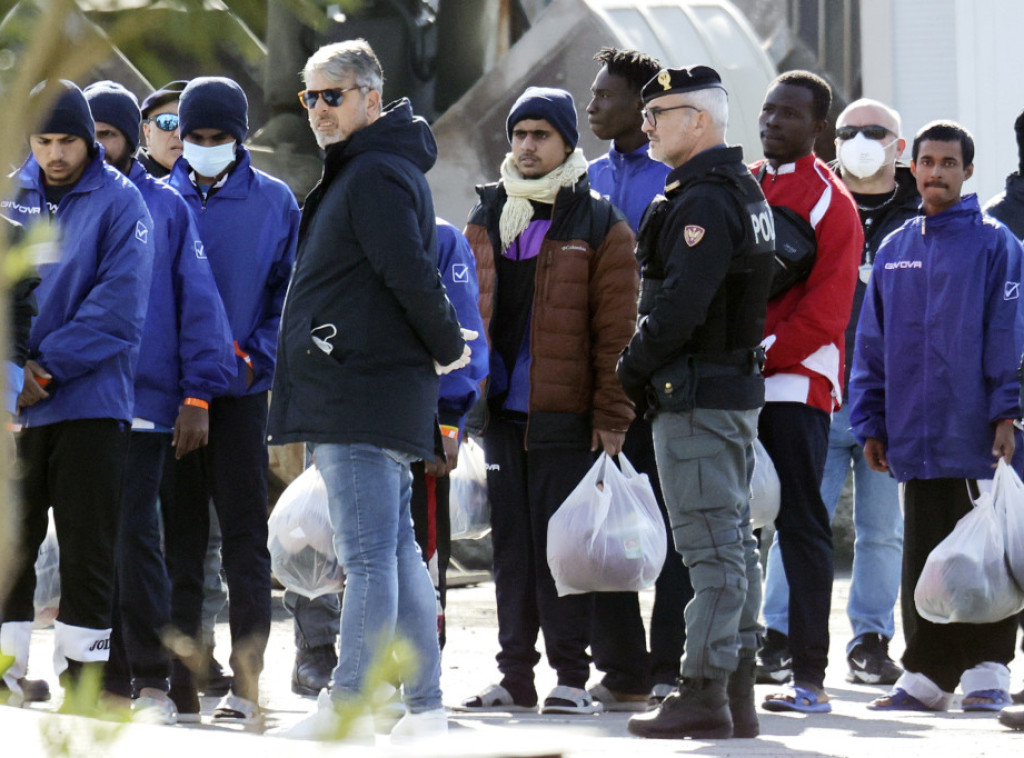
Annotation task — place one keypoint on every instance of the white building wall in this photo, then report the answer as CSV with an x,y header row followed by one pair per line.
x,y
956,59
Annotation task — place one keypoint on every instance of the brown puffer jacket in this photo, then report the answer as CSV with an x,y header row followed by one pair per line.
x,y
584,310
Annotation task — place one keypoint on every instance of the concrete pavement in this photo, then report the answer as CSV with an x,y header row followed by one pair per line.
x,y
468,665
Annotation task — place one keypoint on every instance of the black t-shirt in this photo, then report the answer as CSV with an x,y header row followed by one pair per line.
x,y
56,193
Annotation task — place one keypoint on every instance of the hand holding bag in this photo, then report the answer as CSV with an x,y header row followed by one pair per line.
x,y
966,578
608,535
468,504
301,540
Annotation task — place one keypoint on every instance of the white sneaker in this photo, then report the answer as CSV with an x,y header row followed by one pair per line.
x,y
154,710
421,726
327,723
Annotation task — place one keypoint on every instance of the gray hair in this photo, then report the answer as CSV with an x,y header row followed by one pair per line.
x,y
715,102
340,60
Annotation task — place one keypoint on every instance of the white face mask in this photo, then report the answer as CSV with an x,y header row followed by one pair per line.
x,y
208,161
861,156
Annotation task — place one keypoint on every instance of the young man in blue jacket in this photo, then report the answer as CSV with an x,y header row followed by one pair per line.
x,y
248,223
631,179
77,401
187,359
935,391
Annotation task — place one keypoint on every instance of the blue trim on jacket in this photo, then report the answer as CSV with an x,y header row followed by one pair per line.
x,y
186,347
459,390
629,180
249,227
939,343
93,295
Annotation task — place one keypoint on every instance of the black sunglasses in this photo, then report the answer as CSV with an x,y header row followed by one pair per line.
x,y
332,97
167,122
871,131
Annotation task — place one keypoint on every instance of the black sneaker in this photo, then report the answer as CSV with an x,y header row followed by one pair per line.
x,y
870,662
774,662
32,690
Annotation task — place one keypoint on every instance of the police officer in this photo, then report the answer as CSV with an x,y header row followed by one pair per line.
x,y
705,251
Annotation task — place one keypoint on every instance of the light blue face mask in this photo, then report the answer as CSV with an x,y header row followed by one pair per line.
x,y
209,161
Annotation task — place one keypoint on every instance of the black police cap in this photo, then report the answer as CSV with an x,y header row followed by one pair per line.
x,y
671,81
166,94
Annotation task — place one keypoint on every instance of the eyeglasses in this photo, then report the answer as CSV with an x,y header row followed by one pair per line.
x,y
332,97
166,122
651,114
871,131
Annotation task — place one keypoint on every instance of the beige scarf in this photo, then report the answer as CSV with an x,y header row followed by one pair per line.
x,y
517,213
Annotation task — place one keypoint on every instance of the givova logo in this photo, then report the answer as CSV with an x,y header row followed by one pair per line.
x,y
895,265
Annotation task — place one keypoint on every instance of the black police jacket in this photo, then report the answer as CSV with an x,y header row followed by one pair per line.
x,y
705,253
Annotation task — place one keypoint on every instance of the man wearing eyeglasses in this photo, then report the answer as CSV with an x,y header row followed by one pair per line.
x,y
705,250
248,223
804,346
366,331
868,146
160,128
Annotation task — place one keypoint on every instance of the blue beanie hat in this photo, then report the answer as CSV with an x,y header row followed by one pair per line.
x,y
113,104
555,106
214,102
70,112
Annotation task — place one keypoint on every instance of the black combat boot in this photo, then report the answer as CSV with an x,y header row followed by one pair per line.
x,y
313,668
699,709
741,699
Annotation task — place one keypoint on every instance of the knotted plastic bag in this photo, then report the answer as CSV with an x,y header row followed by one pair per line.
x,y
608,535
468,504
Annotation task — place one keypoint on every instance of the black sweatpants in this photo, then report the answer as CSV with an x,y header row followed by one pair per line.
x,y
943,652
796,437
75,468
232,470
526,488
618,641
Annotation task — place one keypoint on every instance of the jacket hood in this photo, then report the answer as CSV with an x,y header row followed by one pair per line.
x,y
397,131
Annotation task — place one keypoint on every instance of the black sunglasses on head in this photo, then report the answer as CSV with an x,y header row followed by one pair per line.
x,y
332,97
166,122
871,131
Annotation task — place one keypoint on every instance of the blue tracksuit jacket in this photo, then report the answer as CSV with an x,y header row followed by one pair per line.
x,y
93,295
249,227
186,341
939,344
460,389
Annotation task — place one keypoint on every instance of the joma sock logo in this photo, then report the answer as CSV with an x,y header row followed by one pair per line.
x,y
100,645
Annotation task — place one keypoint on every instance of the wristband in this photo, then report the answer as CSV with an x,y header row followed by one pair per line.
x,y
1006,420
197,403
243,355
451,432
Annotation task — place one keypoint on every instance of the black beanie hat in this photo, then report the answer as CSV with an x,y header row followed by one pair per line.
x,y
69,114
113,104
554,105
214,102
166,94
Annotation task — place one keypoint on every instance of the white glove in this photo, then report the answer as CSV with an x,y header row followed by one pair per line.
x,y
468,335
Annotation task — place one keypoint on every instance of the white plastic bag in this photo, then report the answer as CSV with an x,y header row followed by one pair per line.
x,y
765,491
608,535
47,597
1008,493
468,505
966,578
301,540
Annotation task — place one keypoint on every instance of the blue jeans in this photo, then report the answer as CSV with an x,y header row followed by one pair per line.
x,y
388,589
878,548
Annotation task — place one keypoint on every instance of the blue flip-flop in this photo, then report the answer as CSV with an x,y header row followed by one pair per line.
x,y
899,700
796,698
1000,699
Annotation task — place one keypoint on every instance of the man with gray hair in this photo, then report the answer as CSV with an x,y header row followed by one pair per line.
x,y
705,251
366,331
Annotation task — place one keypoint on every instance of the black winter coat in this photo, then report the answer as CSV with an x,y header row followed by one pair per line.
x,y
365,286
